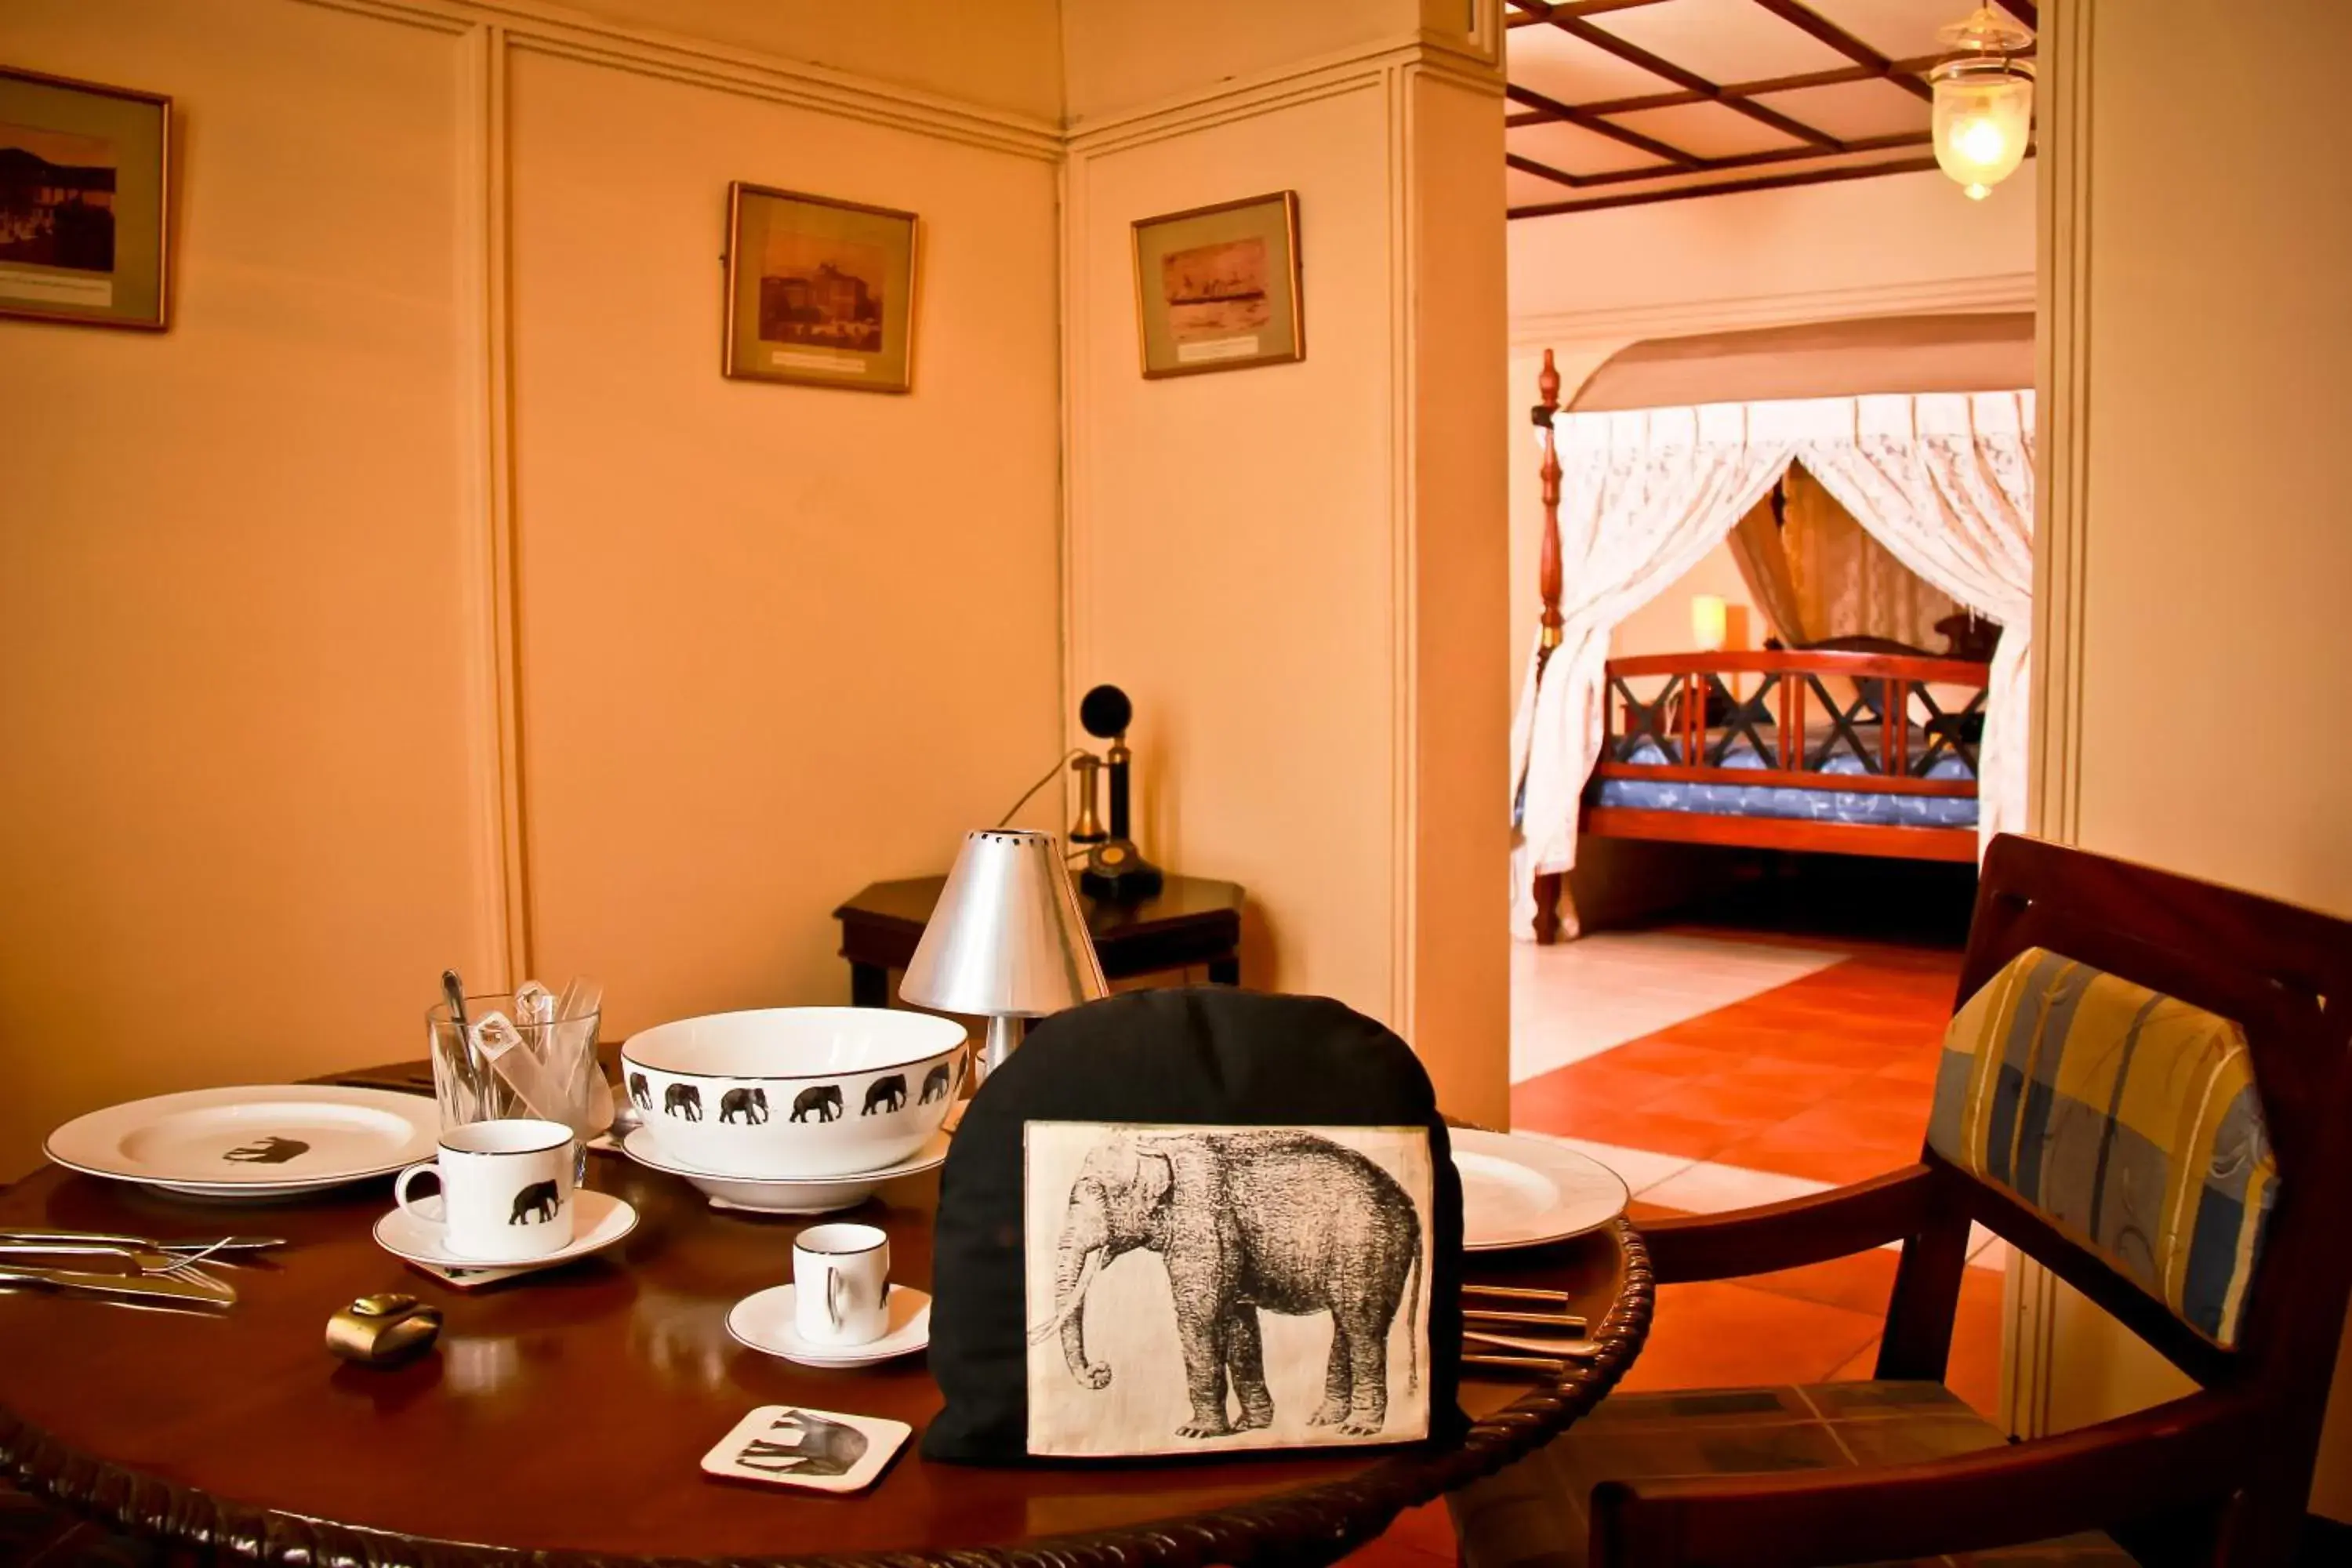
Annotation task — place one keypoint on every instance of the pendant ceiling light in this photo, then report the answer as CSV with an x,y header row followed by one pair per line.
x,y
1984,100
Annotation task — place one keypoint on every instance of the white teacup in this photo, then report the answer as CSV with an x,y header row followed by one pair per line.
x,y
506,1189
841,1284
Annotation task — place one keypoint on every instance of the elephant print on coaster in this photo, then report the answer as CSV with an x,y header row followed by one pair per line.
x,y
1197,1289
819,1449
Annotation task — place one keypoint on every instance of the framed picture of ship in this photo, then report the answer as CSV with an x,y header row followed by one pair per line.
x,y
85,198
1218,288
819,293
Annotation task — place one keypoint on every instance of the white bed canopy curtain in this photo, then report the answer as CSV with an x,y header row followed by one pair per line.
x,y
1944,480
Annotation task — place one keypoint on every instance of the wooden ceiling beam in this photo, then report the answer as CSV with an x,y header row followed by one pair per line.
x,y
1687,190
1557,176
1533,12
1837,76
1752,160
1569,113
1822,30
1691,81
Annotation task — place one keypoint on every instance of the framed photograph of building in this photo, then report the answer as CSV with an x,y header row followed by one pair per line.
x,y
819,293
1218,288
85,202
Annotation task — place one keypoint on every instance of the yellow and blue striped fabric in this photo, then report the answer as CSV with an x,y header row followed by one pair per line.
x,y
2127,1118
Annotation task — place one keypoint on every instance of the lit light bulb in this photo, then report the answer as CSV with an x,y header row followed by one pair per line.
x,y
1982,141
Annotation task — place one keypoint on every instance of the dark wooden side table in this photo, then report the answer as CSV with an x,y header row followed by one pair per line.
x,y
1190,921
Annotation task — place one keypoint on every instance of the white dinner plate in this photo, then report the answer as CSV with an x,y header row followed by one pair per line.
x,y
598,1221
1524,1192
775,1194
764,1321
260,1140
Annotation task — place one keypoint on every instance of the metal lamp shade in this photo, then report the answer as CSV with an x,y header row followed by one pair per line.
x,y
1007,940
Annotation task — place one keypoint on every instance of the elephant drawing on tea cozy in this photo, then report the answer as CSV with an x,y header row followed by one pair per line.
x,y
1267,1220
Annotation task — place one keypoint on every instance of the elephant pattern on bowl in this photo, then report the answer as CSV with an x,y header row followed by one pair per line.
x,y
683,1101
1311,1226
885,1094
823,1102
748,1106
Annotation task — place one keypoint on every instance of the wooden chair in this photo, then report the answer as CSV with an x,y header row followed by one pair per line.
x,y
2109,1000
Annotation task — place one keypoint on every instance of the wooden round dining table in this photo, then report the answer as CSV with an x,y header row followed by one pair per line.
x,y
565,1413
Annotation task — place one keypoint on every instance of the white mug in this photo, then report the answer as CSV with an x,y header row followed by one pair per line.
x,y
841,1284
506,1189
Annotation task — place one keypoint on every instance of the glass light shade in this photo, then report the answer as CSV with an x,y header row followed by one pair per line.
x,y
1983,119
1710,623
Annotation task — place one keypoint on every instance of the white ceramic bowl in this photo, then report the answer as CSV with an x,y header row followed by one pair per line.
x,y
795,1091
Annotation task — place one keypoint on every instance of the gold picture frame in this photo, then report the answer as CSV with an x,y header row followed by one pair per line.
x,y
819,293
1220,288
85,202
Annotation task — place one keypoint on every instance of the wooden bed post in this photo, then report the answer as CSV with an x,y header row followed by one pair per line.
x,y
1547,884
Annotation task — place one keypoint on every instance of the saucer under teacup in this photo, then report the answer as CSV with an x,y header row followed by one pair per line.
x,y
600,1220
764,1321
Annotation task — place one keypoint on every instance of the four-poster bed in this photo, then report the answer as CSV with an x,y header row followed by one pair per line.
x,y
1874,750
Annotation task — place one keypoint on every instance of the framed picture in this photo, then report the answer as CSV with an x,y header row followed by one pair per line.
x,y
85,202
819,293
1217,287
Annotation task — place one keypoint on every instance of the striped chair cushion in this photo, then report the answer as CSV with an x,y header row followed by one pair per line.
x,y
2127,1118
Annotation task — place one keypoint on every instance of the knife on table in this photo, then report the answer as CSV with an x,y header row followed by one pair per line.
x,y
148,1287
142,1260
103,1239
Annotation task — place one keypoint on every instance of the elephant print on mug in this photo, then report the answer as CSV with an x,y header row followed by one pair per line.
x,y
536,1203
1287,1304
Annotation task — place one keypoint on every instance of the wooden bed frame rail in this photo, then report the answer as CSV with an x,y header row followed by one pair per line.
x,y
1792,718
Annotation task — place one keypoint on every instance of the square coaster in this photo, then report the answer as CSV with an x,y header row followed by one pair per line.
x,y
475,1278
821,1450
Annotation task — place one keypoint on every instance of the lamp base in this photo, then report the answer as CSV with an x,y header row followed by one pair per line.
x,y
1005,1032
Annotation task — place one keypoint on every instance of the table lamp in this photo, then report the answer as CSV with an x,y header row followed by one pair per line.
x,y
1005,941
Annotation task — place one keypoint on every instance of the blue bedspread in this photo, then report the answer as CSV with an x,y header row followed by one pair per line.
x,y
1805,804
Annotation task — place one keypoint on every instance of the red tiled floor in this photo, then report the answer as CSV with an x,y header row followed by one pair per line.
x,y
1827,1077
1806,1156
1721,1334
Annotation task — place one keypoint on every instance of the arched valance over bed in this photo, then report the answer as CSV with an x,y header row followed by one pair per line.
x,y
1941,474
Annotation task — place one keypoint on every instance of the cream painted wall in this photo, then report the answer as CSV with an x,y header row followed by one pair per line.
x,y
2198,494
1663,625
772,641
1003,54
1295,569
777,641
1120,55
242,782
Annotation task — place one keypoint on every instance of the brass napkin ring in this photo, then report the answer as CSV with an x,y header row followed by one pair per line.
x,y
376,1330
